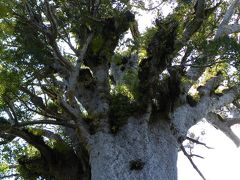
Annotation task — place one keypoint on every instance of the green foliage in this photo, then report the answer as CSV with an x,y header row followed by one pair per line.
x,y
26,167
61,147
226,47
117,58
97,44
124,90
122,106
147,37
4,167
53,107
131,82
30,151
193,99
33,46
9,85
29,166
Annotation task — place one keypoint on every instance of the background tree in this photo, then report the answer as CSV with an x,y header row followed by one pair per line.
x,y
76,106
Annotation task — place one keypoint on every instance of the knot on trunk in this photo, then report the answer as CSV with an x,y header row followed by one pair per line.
x,y
136,165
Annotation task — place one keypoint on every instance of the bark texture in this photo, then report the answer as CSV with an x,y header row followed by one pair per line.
x,y
139,152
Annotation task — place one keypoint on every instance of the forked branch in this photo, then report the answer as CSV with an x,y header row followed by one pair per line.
x,y
191,161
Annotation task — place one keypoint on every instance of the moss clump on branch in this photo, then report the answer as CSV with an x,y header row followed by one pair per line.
x,y
44,159
193,100
31,167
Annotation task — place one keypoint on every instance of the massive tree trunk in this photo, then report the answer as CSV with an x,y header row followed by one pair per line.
x,y
100,95
139,151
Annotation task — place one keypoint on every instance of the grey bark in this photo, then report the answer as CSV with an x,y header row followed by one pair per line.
x,y
153,146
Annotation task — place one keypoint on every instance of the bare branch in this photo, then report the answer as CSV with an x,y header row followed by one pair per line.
x,y
67,40
81,124
13,111
187,53
142,6
190,116
226,19
198,142
196,23
36,100
52,18
195,155
191,161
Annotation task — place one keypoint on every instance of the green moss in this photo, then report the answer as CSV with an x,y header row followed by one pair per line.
x,y
132,83
185,80
34,131
97,44
61,147
124,90
27,174
53,107
193,100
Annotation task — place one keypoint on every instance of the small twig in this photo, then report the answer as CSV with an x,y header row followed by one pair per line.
x,y
191,161
195,155
150,8
198,142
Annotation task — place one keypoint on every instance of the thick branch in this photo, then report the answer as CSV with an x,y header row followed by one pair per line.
x,y
7,138
232,121
36,100
186,116
52,18
218,122
210,86
74,75
160,55
196,23
231,28
226,19
48,134
195,72
34,140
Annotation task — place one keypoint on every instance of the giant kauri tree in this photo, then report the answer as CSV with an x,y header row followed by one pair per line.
x,y
80,100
